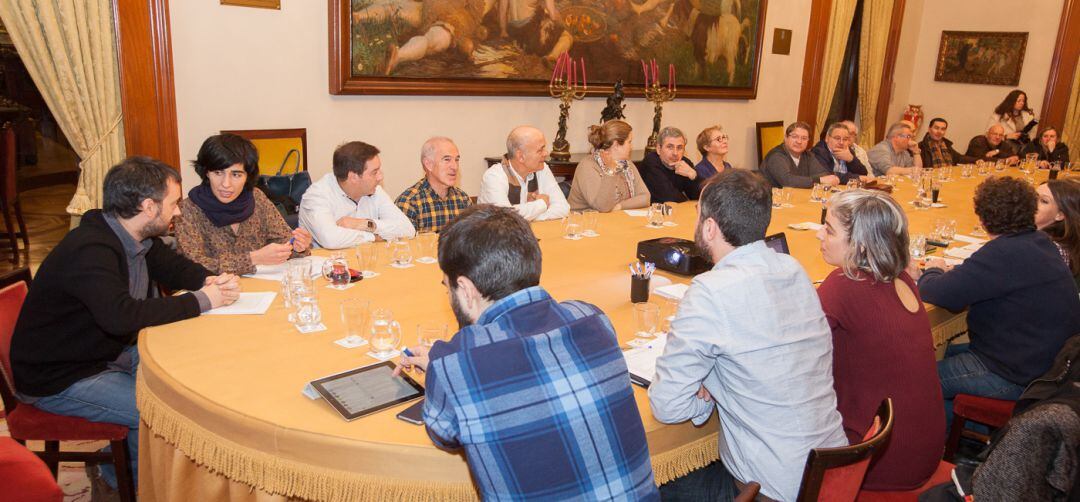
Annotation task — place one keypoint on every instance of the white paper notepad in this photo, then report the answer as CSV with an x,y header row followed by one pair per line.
x,y
247,304
636,212
641,361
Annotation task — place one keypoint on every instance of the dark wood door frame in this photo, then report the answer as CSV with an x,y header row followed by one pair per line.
x,y
1062,67
148,94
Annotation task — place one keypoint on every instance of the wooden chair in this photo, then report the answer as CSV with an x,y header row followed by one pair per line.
x,y
9,195
835,474
28,423
994,413
769,134
21,274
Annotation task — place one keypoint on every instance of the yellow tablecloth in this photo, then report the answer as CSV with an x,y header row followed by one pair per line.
x,y
224,417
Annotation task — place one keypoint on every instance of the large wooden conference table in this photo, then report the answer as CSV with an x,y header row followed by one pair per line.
x,y
224,417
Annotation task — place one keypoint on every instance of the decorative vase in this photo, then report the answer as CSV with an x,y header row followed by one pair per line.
x,y
914,114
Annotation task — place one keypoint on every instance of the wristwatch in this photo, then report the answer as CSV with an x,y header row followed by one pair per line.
x,y
370,226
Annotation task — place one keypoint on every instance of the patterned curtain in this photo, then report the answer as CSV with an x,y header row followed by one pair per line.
x,y
843,11
874,39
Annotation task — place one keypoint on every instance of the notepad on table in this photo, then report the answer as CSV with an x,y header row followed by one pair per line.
x,y
247,304
672,291
641,361
636,212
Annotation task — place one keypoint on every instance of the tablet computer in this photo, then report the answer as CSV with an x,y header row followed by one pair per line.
x,y
366,390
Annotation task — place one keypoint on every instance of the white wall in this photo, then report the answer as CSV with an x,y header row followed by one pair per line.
x,y
967,107
243,68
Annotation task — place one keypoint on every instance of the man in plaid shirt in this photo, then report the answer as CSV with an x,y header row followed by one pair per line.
x,y
536,392
434,200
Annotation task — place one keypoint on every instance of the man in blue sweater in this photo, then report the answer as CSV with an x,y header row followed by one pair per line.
x,y
1022,302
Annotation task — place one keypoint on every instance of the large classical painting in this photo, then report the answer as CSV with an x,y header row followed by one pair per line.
x,y
510,47
980,57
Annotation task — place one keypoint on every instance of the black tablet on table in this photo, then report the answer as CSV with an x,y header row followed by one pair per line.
x,y
366,390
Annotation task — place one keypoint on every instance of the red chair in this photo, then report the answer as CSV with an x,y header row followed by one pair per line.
x,y
994,413
9,195
943,474
25,476
27,423
835,474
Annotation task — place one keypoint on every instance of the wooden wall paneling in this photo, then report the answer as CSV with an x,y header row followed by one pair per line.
x,y
881,120
1062,66
144,44
816,37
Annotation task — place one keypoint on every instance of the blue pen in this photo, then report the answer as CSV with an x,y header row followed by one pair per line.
x,y
407,352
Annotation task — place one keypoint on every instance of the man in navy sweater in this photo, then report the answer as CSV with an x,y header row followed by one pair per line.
x,y
1022,302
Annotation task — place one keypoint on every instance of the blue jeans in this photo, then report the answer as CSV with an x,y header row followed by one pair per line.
x,y
962,372
107,397
712,482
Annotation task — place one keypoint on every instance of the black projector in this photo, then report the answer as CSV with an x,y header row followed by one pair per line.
x,y
678,256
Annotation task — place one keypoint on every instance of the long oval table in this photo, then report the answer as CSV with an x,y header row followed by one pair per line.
x,y
224,418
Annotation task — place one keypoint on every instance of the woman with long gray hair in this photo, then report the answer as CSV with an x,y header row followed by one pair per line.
x,y
882,346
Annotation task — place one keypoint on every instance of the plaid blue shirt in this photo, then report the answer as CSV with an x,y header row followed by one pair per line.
x,y
538,394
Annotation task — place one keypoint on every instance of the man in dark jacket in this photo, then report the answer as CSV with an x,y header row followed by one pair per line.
x,y
669,176
992,147
790,164
937,150
834,152
73,351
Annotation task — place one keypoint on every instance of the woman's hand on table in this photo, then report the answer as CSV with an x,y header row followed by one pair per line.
x,y
914,269
418,360
301,240
271,254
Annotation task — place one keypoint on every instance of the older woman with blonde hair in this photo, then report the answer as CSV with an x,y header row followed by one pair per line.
x,y
882,346
712,143
606,180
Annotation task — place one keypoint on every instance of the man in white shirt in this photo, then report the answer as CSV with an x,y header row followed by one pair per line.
x,y
523,180
750,336
349,206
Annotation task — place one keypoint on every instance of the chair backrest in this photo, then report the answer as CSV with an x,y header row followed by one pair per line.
x,y
7,163
769,134
835,474
11,301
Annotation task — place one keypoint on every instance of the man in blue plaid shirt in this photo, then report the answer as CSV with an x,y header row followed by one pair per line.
x,y
434,200
536,392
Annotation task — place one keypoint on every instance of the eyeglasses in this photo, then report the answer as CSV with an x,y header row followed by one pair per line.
x,y
905,136
799,138
722,137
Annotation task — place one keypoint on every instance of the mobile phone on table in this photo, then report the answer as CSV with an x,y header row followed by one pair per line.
x,y
355,275
413,414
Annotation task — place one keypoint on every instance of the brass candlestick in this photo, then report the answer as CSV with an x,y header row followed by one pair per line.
x,y
566,92
658,95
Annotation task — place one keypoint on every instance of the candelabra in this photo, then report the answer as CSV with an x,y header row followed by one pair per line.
x,y
658,95
566,91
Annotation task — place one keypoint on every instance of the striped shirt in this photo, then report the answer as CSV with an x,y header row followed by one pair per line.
x,y
427,210
538,394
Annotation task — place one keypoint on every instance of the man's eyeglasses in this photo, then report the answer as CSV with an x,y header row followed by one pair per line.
x,y
905,136
799,138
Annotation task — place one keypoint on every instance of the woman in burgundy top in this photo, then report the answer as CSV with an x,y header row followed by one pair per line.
x,y
882,346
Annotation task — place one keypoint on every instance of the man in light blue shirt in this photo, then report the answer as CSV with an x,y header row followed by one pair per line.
x,y
750,340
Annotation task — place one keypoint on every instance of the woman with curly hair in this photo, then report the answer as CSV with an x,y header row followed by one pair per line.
x,y
1021,299
1059,216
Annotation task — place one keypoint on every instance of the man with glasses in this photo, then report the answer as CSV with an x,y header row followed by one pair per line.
x,y
787,166
712,143
896,154
834,151
937,150
993,147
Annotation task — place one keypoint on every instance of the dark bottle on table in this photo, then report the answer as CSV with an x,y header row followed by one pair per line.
x,y
934,194
823,211
1053,173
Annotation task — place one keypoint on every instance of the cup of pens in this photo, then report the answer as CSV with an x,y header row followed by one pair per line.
x,y
640,274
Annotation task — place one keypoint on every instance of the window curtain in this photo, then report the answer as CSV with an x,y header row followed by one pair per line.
x,y
874,39
1071,128
842,12
69,49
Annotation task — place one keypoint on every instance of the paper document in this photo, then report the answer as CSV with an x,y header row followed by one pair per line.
x,y
962,253
672,291
277,272
641,361
969,239
636,212
247,304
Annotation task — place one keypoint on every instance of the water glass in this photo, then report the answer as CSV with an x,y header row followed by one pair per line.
x,y
816,192
918,247
668,309
669,215
573,225
429,332
965,170
948,231
999,166
786,193
308,315
591,220
777,198
656,215
385,333
647,318
401,252
984,170
354,317
367,257
427,244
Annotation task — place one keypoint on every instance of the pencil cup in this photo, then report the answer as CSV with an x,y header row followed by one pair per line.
x,y
639,289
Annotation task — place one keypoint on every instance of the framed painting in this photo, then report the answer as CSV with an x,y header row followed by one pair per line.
x,y
510,47
981,57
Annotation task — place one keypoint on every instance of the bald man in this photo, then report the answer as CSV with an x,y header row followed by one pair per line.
x,y
993,147
435,200
522,179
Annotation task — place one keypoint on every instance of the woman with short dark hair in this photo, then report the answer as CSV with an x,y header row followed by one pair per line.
x,y
225,224
882,346
1021,299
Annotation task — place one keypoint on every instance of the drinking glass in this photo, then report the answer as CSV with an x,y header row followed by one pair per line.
x,y
308,315
965,170
336,270
647,318
427,243
656,215
591,219
572,225
777,198
786,192
999,166
668,308
918,247
354,317
948,231
300,267
367,257
401,251
429,332
815,193
669,215
984,170
385,333
853,183
1029,162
